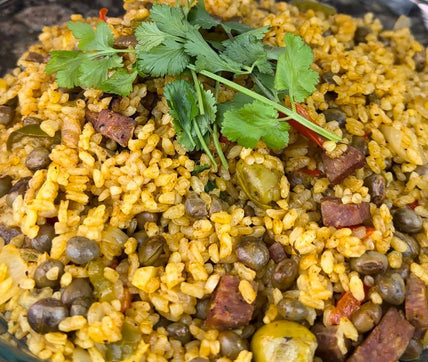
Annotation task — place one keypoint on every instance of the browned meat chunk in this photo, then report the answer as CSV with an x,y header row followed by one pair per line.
x,y
328,348
338,168
227,307
387,341
335,213
113,125
416,303
7,233
277,252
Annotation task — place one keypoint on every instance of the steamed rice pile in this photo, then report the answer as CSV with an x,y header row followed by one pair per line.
x,y
94,188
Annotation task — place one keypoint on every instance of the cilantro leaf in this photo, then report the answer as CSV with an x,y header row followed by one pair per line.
x,y
209,104
293,72
248,124
94,71
168,58
182,102
171,20
199,16
120,82
149,35
66,65
82,31
247,49
278,136
89,39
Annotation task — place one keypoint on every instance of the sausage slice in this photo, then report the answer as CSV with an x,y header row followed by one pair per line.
x,y
416,303
387,341
338,168
335,213
227,307
113,125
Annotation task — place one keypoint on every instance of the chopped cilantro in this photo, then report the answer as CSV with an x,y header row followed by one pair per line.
x,y
210,185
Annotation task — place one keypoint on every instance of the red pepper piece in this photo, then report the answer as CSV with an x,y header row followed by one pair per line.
x,y
413,205
305,131
314,173
346,305
103,14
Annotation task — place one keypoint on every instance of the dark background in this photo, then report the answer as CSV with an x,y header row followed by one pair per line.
x,y
22,20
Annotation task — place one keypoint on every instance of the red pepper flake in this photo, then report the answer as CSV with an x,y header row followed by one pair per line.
x,y
103,14
346,305
413,205
314,173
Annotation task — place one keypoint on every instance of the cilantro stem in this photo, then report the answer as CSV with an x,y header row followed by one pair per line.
x,y
198,92
203,143
218,148
279,107
198,86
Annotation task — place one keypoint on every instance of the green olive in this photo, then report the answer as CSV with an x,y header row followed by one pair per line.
x,y
283,341
252,252
407,221
292,310
367,317
231,344
259,183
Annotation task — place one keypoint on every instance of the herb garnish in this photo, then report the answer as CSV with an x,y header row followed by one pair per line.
x,y
96,65
172,43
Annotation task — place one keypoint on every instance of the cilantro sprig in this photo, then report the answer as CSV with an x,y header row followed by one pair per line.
x,y
172,43
97,64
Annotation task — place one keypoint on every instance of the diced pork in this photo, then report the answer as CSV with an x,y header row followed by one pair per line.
x,y
387,341
113,125
337,214
416,303
328,343
338,168
228,309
